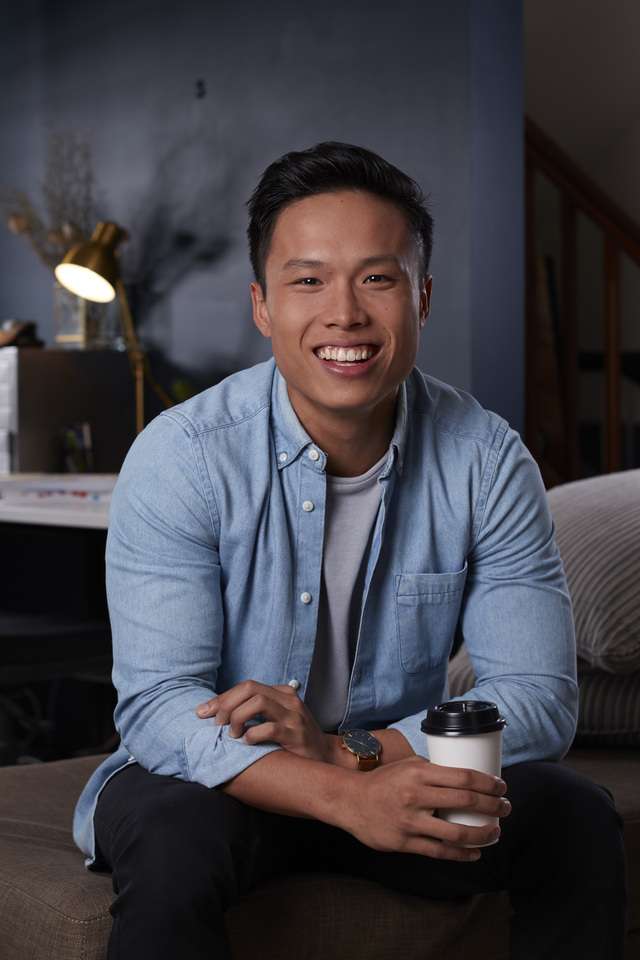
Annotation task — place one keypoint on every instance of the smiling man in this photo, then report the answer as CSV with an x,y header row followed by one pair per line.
x,y
291,555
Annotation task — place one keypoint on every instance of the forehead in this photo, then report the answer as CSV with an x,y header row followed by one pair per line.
x,y
340,224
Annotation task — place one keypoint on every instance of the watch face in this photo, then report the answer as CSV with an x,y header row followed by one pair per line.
x,y
362,742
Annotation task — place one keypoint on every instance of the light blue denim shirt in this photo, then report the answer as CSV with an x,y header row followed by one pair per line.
x,y
214,571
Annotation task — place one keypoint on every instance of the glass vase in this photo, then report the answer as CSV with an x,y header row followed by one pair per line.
x,y
80,324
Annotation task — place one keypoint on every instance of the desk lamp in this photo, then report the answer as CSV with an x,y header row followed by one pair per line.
x,y
91,270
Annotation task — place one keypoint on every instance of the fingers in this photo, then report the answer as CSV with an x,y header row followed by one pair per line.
x,y
454,834
444,799
222,706
263,732
260,705
460,778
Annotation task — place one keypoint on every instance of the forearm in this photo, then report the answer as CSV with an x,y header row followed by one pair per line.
x,y
294,786
297,787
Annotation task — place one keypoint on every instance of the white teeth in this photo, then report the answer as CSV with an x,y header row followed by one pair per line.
x,y
344,354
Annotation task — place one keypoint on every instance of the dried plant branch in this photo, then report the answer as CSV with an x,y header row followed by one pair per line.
x,y
67,189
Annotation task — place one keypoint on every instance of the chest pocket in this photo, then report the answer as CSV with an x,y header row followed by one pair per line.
x,y
427,610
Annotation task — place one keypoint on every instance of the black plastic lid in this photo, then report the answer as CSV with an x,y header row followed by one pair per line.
x,y
462,718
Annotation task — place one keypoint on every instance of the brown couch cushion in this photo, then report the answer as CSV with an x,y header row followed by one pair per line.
x,y
51,906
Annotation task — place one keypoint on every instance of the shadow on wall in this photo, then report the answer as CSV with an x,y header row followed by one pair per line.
x,y
178,228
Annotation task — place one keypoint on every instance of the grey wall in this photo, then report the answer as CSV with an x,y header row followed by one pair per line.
x,y
496,294
435,88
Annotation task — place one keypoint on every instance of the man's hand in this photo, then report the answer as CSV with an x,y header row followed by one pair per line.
x,y
392,808
287,720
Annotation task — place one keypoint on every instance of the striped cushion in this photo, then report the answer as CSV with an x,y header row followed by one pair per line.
x,y
598,534
609,710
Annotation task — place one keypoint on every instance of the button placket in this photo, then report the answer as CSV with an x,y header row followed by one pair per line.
x,y
308,560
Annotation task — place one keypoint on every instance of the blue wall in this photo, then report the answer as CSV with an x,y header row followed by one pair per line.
x,y
436,88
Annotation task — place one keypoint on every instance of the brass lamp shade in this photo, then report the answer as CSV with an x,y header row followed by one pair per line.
x,y
91,270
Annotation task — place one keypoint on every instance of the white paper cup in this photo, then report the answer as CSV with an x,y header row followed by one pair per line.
x,y
472,749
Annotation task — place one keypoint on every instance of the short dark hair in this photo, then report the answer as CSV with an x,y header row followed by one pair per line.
x,y
326,168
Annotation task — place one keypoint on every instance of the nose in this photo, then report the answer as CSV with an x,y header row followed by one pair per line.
x,y
345,310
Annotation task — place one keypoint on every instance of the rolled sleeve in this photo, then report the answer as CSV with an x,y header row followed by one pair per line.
x,y
409,727
164,595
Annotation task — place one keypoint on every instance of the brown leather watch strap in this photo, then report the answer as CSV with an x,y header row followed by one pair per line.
x,y
368,763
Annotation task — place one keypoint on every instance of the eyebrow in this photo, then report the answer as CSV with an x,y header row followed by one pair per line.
x,y
367,262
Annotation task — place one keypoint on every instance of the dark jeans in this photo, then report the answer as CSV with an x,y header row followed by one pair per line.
x,y
181,853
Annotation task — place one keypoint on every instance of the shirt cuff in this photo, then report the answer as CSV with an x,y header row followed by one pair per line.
x,y
212,756
409,727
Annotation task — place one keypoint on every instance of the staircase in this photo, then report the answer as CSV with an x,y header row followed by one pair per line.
x,y
582,321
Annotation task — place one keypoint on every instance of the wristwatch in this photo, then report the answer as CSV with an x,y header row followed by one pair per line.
x,y
365,746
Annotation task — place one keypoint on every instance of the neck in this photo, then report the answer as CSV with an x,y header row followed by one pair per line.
x,y
354,443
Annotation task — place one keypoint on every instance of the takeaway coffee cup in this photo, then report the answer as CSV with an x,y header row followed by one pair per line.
x,y
466,733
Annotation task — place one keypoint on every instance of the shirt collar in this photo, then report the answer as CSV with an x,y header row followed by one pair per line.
x,y
291,438
289,435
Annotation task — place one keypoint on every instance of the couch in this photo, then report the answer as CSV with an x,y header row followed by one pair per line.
x,y
51,907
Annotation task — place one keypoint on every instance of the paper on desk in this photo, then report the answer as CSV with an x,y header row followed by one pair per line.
x,y
57,488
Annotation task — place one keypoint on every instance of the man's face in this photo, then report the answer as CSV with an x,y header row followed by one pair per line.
x,y
342,273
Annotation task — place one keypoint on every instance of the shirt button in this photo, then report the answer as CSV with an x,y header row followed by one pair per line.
x,y
294,683
282,457
314,455
305,597
308,506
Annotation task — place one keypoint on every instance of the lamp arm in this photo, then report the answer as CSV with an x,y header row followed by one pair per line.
x,y
128,328
139,361
166,400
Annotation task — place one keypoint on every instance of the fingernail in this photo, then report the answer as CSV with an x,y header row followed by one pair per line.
x,y
202,710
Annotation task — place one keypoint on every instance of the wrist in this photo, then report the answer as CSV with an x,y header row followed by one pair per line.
x,y
345,800
338,755
395,745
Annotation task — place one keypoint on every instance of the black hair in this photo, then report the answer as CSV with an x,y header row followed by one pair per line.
x,y
326,168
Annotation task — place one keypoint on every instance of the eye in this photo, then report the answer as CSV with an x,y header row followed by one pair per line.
x,y
378,278
307,281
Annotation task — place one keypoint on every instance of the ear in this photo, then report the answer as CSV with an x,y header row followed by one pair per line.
x,y
260,313
425,300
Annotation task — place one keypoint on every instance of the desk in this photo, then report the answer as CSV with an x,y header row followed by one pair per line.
x,y
58,500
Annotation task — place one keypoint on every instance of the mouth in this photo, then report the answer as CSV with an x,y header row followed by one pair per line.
x,y
356,353
354,360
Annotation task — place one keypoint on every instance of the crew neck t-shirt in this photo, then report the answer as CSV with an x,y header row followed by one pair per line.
x,y
351,509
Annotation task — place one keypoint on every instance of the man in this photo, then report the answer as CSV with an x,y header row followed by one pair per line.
x,y
290,556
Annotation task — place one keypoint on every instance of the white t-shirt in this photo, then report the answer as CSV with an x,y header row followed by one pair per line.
x,y
351,509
